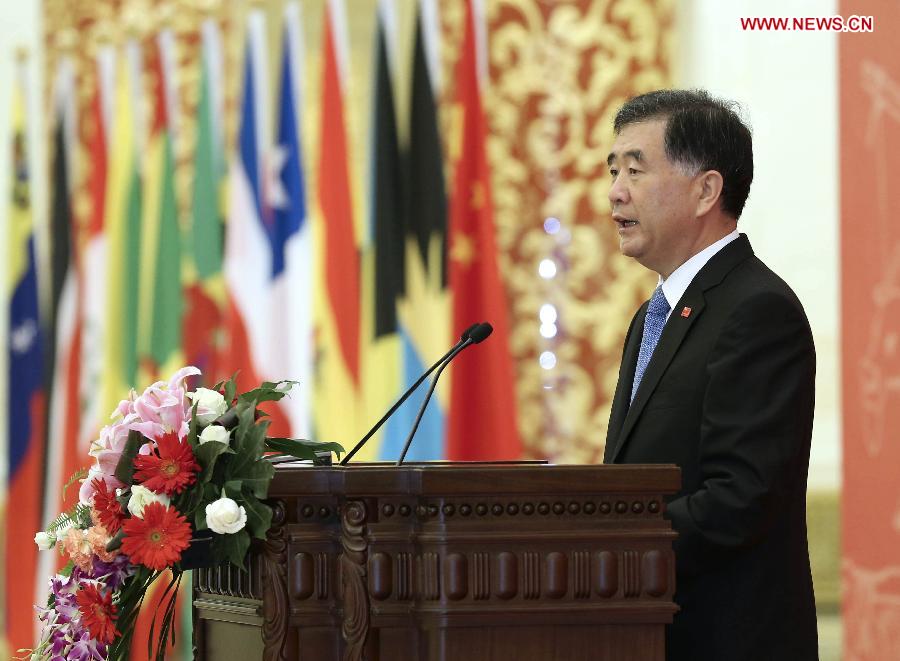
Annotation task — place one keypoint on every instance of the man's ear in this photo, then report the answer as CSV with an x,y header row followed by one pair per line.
x,y
709,190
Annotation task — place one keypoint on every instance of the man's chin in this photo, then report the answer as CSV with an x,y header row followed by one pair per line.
x,y
629,247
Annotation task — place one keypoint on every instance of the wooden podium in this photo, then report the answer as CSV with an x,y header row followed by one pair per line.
x,y
450,561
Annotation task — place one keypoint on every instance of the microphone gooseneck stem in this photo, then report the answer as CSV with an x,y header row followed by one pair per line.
x,y
400,401
446,361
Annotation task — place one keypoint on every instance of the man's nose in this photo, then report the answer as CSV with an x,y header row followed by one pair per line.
x,y
618,192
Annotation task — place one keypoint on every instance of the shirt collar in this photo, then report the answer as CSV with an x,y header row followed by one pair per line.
x,y
677,283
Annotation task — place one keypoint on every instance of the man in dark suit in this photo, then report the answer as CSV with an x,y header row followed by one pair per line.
x,y
717,376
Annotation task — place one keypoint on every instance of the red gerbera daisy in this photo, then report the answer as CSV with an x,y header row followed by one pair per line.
x,y
98,613
169,468
108,509
157,540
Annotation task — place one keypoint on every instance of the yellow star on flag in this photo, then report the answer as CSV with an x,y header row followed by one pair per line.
x,y
477,199
463,249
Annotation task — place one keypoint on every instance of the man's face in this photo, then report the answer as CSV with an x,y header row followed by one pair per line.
x,y
651,199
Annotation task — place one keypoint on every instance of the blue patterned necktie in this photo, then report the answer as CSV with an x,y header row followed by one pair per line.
x,y
653,326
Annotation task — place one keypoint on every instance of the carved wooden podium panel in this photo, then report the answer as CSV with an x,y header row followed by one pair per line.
x,y
450,561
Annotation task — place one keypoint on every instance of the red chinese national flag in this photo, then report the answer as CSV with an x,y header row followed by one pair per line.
x,y
482,424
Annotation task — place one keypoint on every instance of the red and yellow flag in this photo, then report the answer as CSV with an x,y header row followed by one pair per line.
x,y
482,415
338,377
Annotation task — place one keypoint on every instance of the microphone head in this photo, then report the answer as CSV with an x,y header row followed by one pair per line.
x,y
481,332
468,332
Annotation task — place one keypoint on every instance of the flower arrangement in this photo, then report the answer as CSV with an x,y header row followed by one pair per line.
x,y
173,467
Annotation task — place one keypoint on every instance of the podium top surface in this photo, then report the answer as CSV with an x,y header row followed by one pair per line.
x,y
444,477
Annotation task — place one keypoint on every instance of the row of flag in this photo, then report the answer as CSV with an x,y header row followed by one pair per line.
x,y
257,271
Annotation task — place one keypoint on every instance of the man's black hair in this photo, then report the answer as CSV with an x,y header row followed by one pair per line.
x,y
702,133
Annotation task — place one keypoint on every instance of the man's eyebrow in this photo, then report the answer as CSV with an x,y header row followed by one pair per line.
x,y
636,154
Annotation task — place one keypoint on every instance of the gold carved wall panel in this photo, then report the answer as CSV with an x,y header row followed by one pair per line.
x,y
558,73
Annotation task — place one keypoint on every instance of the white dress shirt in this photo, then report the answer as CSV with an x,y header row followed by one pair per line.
x,y
677,283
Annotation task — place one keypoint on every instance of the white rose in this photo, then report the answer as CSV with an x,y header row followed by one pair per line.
x,y
225,516
216,433
210,404
44,540
141,497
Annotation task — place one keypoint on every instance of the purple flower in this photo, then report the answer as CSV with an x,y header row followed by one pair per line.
x,y
113,573
63,589
58,643
86,649
62,585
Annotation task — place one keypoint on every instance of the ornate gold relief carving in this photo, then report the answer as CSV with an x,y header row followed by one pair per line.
x,y
558,72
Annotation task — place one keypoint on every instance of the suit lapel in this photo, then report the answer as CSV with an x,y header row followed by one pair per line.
x,y
626,378
674,332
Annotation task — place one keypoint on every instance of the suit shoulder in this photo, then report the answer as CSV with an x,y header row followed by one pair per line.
x,y
752,282
752,296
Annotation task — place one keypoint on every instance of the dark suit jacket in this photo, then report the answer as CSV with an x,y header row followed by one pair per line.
x,y
728,397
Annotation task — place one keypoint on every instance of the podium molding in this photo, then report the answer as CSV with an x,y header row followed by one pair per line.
x,y
441,561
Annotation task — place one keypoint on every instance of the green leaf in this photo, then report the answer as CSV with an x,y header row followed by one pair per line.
x,y
78,475
246,422
192,428
231,388
125,467
200,519
259,517
208,494
192,499
249,443
257,476
116,541
283,386
257,438
232,489
302,448
79,516
167,625
267,392
232,548
206,454
131,598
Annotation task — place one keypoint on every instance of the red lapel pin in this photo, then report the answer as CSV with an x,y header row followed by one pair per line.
x,y
686,312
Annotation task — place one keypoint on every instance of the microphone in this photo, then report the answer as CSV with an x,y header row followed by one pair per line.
x,y
478,334
481,332
465,337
